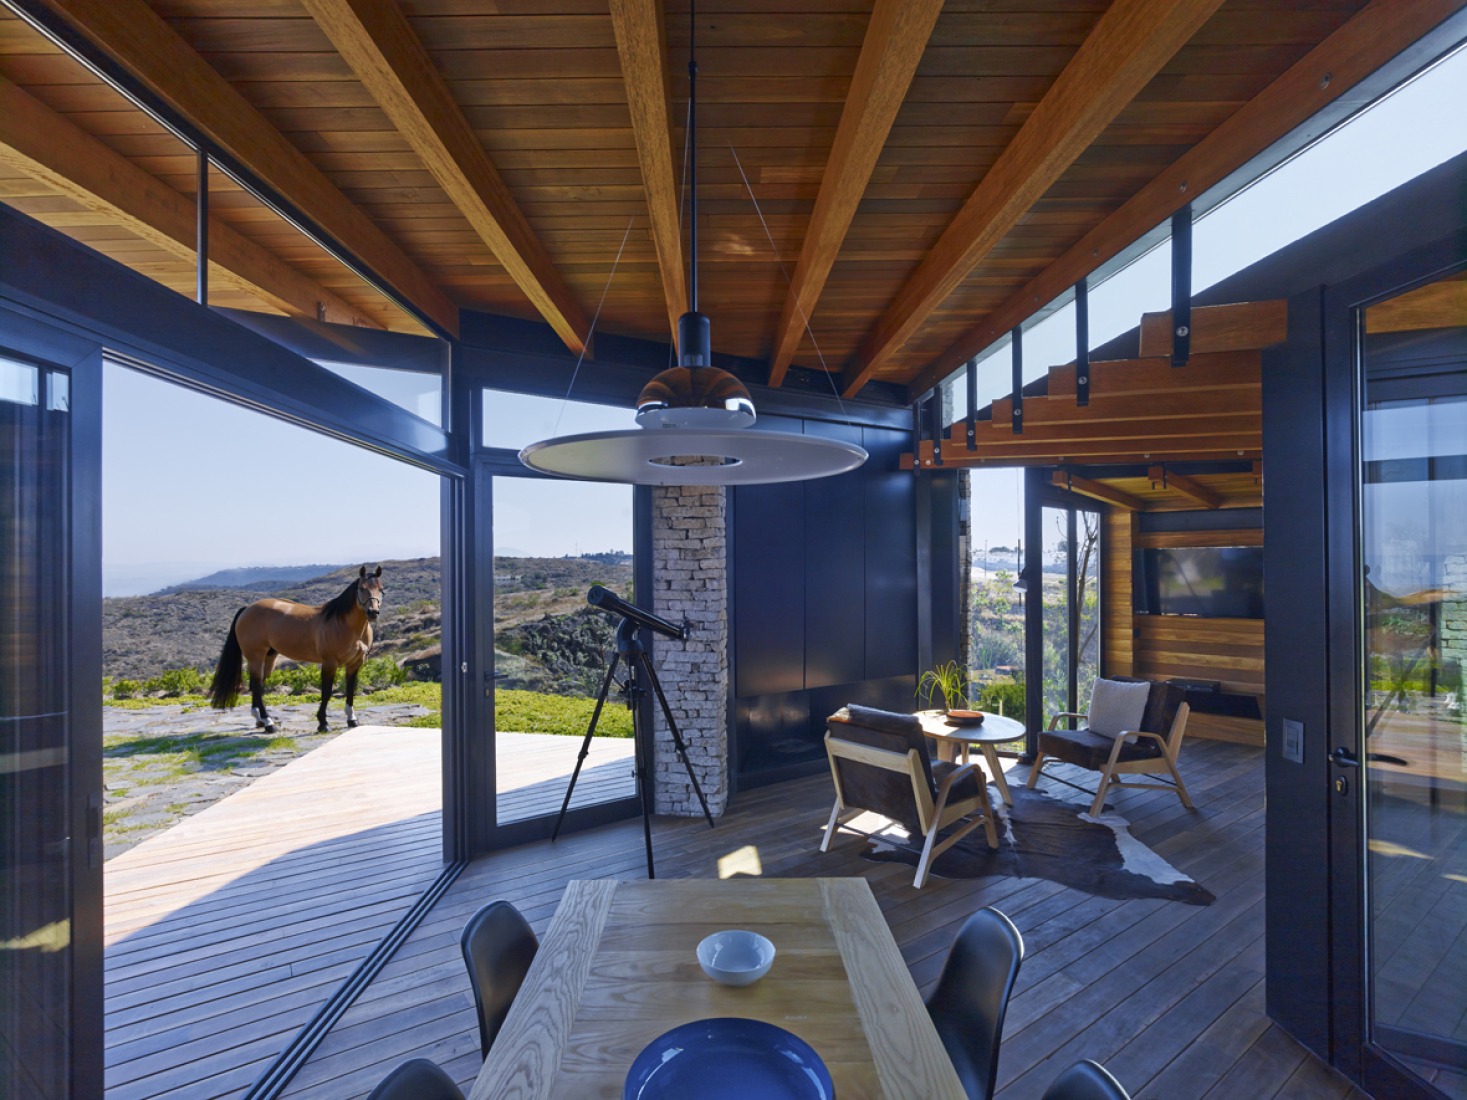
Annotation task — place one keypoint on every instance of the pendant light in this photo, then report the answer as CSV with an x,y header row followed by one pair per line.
x,y
694,419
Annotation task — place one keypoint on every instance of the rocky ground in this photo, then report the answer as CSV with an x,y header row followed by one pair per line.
x,y
161,764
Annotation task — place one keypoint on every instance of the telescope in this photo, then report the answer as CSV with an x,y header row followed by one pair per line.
x,y
604,599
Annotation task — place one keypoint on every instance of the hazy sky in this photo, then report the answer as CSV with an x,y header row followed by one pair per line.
x,y
295,497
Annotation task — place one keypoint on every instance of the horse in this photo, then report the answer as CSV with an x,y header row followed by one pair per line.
x,y
337,634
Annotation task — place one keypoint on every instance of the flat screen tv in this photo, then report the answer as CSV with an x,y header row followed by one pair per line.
x,y
1212,582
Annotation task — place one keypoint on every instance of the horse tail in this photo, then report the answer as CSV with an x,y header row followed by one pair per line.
x,y
224,691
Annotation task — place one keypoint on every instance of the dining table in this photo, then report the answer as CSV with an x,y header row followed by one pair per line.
x,y
618,967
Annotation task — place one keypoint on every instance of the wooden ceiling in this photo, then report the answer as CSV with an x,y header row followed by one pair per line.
x,y
926,173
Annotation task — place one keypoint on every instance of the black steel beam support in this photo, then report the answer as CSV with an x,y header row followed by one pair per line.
x,y
201,206
1016,347
1082,343
1033,576
1182,286
934,412
972,427
917,437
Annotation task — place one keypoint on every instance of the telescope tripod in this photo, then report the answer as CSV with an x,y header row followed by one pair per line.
x,y
640,674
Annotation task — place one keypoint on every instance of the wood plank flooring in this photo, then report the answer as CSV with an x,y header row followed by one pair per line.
x,y
225,933
1170,996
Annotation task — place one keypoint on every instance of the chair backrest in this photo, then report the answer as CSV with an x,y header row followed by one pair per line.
x,y
1086,1081
972,995
418,1079
886,788
499,945
1166,710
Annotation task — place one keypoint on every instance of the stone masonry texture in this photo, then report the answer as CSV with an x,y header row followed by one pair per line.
x,y
690,582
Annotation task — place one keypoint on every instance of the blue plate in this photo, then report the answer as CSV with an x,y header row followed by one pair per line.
x,y
728,1059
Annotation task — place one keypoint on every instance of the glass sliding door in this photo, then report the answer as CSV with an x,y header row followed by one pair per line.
x,y
1071,595
36,779
1414,600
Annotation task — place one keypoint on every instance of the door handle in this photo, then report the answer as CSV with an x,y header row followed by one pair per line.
x,y
1344,758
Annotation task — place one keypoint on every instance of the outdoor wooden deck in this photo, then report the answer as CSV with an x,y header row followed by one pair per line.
x,y
1170,996
225,933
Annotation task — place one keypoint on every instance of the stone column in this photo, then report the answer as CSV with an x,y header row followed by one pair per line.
x,y
690,581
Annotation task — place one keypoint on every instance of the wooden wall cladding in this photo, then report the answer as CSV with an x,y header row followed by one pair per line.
x,y
1117,539
1166,647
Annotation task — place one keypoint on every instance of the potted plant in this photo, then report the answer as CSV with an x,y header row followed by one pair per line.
x,y
948,680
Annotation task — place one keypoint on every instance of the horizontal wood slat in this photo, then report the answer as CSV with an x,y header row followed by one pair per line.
x,y
1224,328
1242,536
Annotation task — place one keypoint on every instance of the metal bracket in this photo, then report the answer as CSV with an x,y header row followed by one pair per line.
x,y
972,429
1182,286
1016,347
1082,344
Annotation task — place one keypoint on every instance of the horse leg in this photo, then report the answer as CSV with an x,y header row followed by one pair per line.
x,y
351,695
258,675
328,680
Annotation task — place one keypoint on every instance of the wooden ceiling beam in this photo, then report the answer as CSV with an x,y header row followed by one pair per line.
x,y
379,45
894,43
1377,33
996,432
641,43
46,146
1190,488
1133,450
1239,326
1097,490
1210,370
143,43
1143,411
1127,47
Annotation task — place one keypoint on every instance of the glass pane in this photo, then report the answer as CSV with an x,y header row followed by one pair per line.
x,y
553,540
35,874
1087,604
419,393
997,653
1055,592
1415,598
516,419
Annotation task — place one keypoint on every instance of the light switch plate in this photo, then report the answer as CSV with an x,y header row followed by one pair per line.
x,y
1293,741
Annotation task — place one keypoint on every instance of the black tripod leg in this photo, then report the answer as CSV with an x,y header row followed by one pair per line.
x,y
677,738
643,742
586,742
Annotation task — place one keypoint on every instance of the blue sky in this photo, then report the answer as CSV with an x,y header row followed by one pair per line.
x,y
296,497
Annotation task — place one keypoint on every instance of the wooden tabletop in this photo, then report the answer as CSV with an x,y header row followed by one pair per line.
x,y
994,728
619,967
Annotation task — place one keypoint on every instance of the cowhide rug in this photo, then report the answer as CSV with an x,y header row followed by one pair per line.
x,y
1044,836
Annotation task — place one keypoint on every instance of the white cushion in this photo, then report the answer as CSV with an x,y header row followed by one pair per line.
x,y
1117,707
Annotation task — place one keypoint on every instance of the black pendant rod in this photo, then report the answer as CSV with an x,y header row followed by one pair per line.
x,y
693,153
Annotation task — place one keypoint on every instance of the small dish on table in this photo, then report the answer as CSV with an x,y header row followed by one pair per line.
x,y
965,717
736,957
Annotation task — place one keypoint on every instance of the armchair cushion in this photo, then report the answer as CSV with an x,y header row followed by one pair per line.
x,y
1090,750
966,787
1117,706
887,792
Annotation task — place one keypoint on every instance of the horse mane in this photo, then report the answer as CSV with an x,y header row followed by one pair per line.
x,y
341,606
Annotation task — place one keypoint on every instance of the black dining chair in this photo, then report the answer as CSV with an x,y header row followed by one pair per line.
x,y
1086,1080
499,945
418,1079
972,995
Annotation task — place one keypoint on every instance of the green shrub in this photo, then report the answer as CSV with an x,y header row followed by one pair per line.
x,y
532,712
126,689
379,673
1003,697
175,682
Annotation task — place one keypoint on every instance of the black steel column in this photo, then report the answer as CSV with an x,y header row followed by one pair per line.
x,y
1033,576
1182,286
201,231
1016,347
1072,593
1082,343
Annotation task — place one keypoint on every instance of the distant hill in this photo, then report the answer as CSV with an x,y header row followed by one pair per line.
x,y
266,577
548,639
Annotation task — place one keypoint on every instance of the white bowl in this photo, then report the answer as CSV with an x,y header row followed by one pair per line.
x,y
735,957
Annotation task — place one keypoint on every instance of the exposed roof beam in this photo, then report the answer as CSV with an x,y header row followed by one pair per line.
x,y
1235,327
1377,33
1192,490
143,43
376,40
1097,490
641,43
46,146
1128,46
895,40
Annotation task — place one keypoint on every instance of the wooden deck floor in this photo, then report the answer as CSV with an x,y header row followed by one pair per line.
x,y
225,933
1170,996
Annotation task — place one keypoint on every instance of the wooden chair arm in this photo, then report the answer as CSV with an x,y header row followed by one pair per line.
x,y
1054,722
949,781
